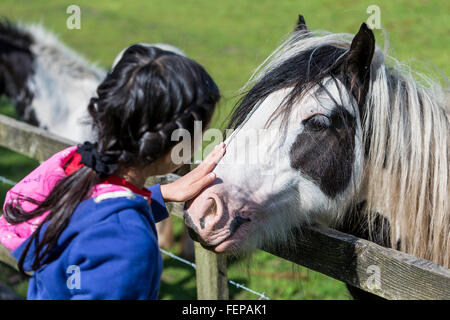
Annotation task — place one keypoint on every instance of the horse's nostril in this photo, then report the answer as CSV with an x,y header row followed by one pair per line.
x,y
212,209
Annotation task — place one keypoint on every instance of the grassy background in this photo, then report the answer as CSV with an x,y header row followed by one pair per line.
x,y
230,38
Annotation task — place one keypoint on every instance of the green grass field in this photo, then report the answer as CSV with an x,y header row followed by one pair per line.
x,y
230,38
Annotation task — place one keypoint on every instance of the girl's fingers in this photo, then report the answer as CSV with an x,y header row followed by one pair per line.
x,y
188,186
211,160
202,183
216,154
206,166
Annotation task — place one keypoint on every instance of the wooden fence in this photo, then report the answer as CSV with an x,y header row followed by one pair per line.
x,y
336,254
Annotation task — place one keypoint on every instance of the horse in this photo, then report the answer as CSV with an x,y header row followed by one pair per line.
x,y
332,131
48,83
50,86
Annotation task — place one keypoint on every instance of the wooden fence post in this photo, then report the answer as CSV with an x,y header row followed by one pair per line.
x,y
212,280
211,268
7,258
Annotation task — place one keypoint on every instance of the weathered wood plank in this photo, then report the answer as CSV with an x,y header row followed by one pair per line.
x,y
385,272
211,273
7,258
30,141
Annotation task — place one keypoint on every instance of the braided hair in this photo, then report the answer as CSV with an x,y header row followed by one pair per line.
x,y
148,94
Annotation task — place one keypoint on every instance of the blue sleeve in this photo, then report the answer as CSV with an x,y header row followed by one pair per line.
x,y
115,261
159,209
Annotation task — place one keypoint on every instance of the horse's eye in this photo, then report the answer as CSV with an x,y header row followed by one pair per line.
x,y
317,122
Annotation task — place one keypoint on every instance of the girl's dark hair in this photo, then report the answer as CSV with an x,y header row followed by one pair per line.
x,y
148,94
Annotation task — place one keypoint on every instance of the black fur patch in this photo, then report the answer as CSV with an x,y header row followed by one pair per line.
x,y
356,222
16,67
326,156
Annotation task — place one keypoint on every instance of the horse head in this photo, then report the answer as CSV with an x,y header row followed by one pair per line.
x,y
317,135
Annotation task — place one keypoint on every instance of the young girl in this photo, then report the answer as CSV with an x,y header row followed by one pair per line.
x,y
82,223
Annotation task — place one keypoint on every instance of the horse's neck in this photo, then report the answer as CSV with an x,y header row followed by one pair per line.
x,y
61,60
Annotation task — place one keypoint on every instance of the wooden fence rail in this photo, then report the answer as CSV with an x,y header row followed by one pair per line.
x,y
385,272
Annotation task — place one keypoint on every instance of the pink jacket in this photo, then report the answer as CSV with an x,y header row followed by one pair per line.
x,y
40,183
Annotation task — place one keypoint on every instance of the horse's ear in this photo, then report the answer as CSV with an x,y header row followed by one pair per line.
x,y
361,53
301,24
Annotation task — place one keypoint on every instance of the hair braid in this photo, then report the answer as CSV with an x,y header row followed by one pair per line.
x,y
154,144
161,92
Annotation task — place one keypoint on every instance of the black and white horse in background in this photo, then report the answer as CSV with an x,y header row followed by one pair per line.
x,y
343,139
48,83
50,86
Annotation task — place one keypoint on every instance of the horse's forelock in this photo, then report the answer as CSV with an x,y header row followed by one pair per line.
x,y
304,70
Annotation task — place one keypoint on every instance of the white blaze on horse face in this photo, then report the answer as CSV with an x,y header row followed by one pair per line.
x,y
257,153
271,175
269,192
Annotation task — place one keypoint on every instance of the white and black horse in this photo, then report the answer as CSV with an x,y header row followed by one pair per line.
x,y
49,84
329,133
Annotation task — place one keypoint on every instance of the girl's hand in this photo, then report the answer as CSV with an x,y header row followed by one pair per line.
x,y
189,185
